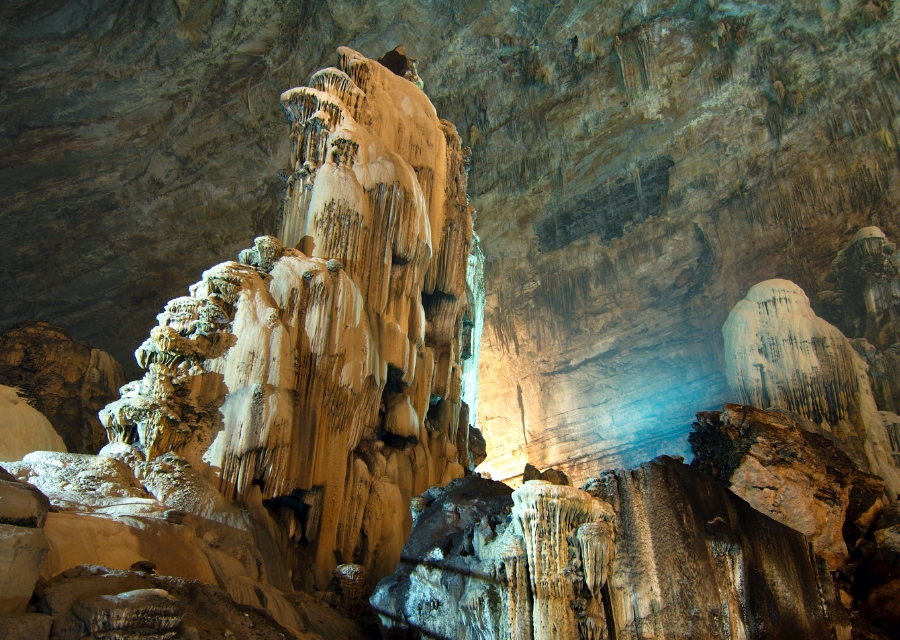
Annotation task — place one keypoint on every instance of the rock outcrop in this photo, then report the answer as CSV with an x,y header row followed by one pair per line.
x,y
65,380
802,479
91,601
330,377
657,551
23,547
23,428
780,354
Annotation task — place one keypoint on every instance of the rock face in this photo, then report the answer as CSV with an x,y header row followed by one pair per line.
x,y
23,429
64,379
643,163
780,354
658,551
796,477
330,376
89,601
23,547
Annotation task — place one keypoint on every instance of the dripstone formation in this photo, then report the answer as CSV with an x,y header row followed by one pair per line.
x,y
329,375
292,404
658,551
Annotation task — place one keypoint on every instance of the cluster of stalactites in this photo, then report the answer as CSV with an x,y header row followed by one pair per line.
x,y
223,370
568,543
379,183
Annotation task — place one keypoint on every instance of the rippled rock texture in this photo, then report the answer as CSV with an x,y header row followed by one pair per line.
x,y
661,550
638,167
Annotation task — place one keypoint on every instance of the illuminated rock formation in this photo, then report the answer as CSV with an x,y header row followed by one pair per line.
x,y
780,354
66,380
791,474
330,375
657,551
23,546
25,429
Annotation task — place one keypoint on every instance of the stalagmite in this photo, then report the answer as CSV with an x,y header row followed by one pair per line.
x,y
659,551
352,585
326,365
547,515
780,354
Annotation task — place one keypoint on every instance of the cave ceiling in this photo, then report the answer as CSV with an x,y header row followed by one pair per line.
x,y
636,167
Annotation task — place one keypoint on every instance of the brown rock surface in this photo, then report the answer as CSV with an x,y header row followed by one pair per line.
x,y
23,546
64,379
88,599
799,478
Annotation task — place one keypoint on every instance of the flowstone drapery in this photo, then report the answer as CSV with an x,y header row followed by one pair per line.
x,y
326,367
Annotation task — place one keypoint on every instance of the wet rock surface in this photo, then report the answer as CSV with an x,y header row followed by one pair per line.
x,y
65,379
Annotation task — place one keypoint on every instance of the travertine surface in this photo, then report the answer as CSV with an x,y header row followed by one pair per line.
x,y
779,353
330,377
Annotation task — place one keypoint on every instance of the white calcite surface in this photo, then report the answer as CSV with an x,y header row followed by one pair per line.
x,y
325,368
23,428
780,354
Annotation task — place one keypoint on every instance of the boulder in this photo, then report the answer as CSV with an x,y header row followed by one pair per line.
x,y
799,478
23,546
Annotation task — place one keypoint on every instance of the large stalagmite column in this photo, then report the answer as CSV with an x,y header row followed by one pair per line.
x,y
780,354
326,365
547,515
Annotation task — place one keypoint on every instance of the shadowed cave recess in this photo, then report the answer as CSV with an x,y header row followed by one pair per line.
x,y
511,321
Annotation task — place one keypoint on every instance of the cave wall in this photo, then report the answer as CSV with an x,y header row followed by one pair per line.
x,y
638,167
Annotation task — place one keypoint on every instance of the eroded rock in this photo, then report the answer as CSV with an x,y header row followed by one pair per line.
x,y
799,478
64,379
657,551
780,354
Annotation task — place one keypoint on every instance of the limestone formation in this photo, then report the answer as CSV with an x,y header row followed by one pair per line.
x,y
780,354
643,164
23,428
91,601
657,551
791,474
65,380
23,546
865,301
326,367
